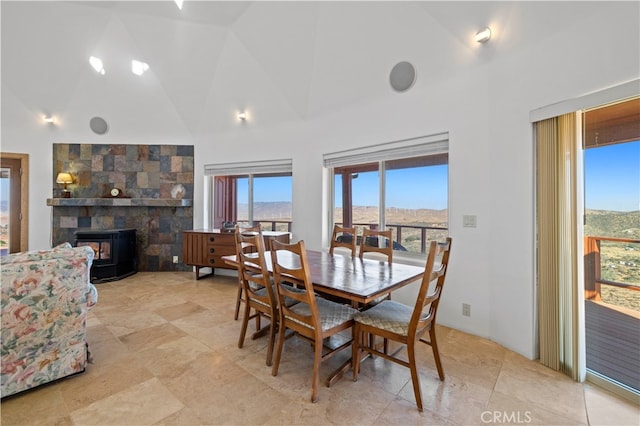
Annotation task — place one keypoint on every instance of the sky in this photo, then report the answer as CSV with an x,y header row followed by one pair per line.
x,y
420,187
612,177
266,189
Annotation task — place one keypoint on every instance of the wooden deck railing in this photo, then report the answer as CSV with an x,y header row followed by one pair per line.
x,y
423,233
612,342
398,232
593,267
280,225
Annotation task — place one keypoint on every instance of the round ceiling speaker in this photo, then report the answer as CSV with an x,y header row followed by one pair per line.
x,y
402,77
98,125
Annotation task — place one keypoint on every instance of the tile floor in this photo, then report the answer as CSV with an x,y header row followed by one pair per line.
x,y
165,353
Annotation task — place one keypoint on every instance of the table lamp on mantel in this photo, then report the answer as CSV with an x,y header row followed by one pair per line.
x,y
66,179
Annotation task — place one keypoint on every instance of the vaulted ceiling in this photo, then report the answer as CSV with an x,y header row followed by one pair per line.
x,y
281,61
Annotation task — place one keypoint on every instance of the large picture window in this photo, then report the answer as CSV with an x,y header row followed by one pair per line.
x,y
252,193
405,190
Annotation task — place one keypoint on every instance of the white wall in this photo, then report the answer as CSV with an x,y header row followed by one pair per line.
x,y
481,95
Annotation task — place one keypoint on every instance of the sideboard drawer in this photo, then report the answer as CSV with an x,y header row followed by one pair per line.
x,y
218,262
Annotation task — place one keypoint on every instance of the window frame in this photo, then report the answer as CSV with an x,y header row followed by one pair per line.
x,y
223,180
415,152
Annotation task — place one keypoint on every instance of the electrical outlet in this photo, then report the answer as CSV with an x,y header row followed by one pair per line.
x,y
175,259
466,309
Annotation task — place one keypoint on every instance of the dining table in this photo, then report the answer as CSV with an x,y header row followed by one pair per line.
x,y
360,281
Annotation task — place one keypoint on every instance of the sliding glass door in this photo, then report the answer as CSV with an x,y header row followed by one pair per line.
x,y
612,243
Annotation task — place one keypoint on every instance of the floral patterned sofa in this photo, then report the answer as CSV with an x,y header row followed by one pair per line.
x,y
46,295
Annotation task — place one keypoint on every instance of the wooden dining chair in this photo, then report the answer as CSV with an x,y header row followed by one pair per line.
x,y
404,324
313,318
259,293
377,242
239,296
343,237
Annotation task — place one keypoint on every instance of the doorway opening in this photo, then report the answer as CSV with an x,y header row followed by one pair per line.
x,y
611,138
14,202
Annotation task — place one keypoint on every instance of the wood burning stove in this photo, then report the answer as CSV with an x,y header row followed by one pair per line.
x,y
115,253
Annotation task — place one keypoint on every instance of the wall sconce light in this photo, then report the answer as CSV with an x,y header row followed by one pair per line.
x,y
242,116
65,178
179,3
48,119
483,36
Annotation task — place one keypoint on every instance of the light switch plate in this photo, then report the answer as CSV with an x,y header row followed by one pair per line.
x,y
469,221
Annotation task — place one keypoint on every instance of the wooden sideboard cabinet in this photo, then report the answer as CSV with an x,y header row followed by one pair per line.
x,y
204,248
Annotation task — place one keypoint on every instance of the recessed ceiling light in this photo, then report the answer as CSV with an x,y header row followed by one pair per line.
x,y
179,3
96,63
139,67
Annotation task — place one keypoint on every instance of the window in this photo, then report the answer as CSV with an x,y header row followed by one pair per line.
x,y
356,199
252,193
405,190
265,199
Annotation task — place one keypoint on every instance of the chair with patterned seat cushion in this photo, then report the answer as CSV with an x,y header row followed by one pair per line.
x,y
404,324
256,285
312,318
379,242
239,297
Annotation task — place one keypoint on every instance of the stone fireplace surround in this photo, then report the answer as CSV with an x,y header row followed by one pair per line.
x,y
157,182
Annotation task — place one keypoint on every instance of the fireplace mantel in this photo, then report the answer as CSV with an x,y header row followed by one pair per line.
x,y
118,202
